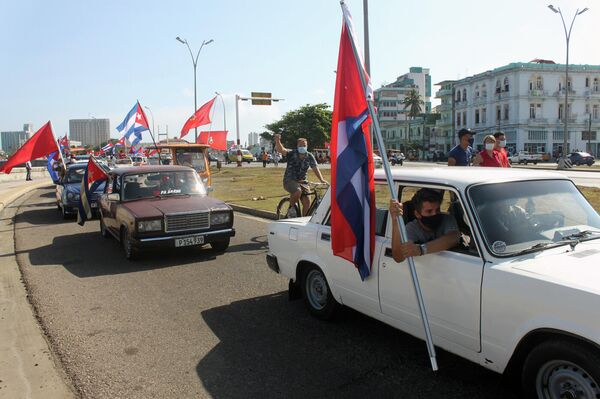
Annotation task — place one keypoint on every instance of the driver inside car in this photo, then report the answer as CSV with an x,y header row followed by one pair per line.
x,y
431,231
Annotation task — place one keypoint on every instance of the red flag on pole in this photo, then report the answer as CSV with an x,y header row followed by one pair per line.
x,y
200,117
216,139
40,144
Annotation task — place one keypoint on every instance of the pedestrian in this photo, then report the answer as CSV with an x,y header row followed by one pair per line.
x,y
488,156
28,168
501,148
265,158
276,158
462,153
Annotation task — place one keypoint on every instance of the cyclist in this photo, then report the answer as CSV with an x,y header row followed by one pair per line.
x,y
294,179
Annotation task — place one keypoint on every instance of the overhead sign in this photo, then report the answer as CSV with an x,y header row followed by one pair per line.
x,y
257,98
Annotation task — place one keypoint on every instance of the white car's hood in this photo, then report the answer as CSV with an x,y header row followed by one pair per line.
x,y
578,269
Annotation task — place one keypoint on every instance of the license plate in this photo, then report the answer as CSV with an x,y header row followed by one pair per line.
x,y
189,241
94,205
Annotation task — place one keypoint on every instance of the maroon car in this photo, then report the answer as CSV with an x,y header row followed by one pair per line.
x,y
162,206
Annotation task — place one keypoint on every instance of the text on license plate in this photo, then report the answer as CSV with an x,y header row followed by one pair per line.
x,y
189,240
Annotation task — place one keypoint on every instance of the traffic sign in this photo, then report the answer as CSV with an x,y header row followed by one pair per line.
x,y
257,98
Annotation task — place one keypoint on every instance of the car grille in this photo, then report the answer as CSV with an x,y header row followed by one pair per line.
x,y
187,221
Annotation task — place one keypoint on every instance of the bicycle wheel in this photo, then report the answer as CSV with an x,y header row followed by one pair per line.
x,y
284,211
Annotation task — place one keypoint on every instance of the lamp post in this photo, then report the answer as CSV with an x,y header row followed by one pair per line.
x,y
195,63
224,118
562,162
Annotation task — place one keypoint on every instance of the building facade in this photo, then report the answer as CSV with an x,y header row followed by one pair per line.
x,y
444,135
91,132
526,101
12,141
253,139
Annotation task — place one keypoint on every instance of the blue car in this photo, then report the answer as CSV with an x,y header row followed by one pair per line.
x,y
68,191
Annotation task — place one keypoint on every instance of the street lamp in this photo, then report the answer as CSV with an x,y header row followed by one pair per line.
x,y
224,119
195,63
562,162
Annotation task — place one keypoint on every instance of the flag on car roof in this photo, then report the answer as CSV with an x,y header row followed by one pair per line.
x,y
201,117
94,176
352,182
37,146
135,123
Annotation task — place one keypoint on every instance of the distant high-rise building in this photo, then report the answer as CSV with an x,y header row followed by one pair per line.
x,y
253,139
92,132
12,141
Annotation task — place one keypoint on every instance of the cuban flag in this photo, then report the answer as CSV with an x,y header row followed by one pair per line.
x,y
53,159
352,183
94,176
134,124
107,147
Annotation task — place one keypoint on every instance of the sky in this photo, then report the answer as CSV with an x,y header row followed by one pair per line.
x,y
69,59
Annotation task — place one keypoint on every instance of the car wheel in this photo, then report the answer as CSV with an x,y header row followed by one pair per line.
x,y
103,229
285,212
220,246
524,162
63,213
130,251
562,369
317,294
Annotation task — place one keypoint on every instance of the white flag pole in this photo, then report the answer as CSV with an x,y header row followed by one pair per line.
x,y
390,181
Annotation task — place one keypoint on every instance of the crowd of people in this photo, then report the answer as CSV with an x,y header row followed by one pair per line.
x,y
493,153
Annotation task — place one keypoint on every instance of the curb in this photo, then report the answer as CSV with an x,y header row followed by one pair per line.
x,y
254,212
6,201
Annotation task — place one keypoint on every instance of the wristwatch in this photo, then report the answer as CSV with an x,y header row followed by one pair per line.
x,y
423,248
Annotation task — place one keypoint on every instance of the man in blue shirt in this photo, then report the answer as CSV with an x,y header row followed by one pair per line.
x,y
461,154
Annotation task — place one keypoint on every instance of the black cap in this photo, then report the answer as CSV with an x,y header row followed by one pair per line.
x,y
462,132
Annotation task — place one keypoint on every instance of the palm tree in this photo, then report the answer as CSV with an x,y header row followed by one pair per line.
x,y
413,101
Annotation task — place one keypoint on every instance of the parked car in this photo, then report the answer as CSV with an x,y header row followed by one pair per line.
x,y
377,161
246,156
581,158
162,207
525,157
68,191
520,295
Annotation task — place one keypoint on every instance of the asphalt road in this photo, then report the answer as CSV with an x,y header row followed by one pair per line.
x,y
194,324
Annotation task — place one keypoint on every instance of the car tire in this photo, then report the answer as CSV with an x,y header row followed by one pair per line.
x,y
130,252
559,368
64,214
316,293
284,206
220,246
103,230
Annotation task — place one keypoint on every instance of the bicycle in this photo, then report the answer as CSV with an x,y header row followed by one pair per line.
x,y
316,191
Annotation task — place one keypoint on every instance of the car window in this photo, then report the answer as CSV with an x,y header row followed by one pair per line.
x,y
159,184
75,175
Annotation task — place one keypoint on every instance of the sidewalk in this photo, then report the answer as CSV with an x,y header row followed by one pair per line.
x,y
27,369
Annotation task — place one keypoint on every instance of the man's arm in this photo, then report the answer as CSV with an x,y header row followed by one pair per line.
x,y
319,175
451,161
280,149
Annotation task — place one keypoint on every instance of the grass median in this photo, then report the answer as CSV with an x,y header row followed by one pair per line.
x,y
262,188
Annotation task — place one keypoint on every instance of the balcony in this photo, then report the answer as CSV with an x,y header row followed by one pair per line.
x,y
593,93
537,93
569,120
537,120
561,92
443,92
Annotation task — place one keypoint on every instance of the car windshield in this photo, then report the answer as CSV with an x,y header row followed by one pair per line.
x,y
192,159
532,215
74,175
160,184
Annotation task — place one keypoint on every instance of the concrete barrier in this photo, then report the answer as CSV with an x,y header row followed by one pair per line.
x,y
20,173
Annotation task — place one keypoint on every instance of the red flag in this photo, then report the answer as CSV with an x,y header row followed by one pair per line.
x,y
154,151
216,139
40,144
200,117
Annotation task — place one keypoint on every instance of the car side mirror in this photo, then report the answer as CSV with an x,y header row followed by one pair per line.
x,y
114,197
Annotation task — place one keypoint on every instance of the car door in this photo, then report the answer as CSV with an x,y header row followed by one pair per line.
x,y
110,206
451,286
346,281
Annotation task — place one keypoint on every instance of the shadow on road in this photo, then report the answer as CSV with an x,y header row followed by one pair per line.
x,y
258,243
271,348
42,215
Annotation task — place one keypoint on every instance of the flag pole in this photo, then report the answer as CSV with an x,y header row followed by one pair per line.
x,y
150,131
388,174
58,147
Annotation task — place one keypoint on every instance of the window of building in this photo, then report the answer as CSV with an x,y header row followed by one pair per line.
x,y
539,83
498,113
587,109
483,111
506,114
595,111
595,88
464,94
506,86
560,111
535,111
587,82
476,91
483,90
458,96
464,118
476,116
498,86
536,135
458,119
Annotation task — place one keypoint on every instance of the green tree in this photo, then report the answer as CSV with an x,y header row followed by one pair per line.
x,y
413,101
312,122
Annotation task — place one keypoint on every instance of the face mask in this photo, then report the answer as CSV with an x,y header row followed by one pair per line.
x,y
489,146
433,222
503,143
302,150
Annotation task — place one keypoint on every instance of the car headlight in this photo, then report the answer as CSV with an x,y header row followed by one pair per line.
x,y
220,218
72,196
149,225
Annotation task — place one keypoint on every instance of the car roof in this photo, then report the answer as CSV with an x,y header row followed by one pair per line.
x,y
150,169
461,176
77,165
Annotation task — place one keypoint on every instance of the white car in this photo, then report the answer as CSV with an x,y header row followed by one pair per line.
x,y
520,295
377,161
